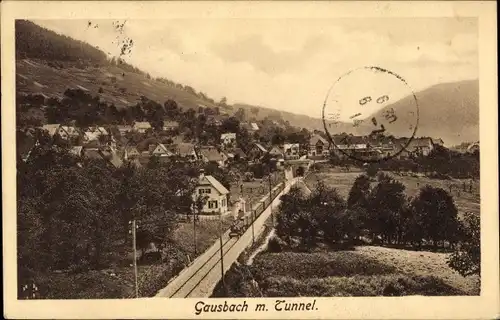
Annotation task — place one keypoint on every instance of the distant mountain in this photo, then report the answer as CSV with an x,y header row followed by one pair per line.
x,y
449,111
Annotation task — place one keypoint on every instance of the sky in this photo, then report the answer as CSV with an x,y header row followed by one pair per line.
x,y
290,64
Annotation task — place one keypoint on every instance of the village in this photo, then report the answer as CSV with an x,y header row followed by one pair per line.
x,y
107,143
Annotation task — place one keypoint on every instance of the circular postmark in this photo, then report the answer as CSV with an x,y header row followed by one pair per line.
x,y
370,114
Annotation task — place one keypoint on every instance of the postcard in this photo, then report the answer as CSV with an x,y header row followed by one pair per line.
x,y
250,160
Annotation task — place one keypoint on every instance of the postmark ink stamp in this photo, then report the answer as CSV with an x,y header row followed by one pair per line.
x,y
359,117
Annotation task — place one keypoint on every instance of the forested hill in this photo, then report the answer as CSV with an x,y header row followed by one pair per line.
x,y
49,63
35,42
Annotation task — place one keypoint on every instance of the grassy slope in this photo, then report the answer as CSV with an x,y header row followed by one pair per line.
x,y
37,77
367,271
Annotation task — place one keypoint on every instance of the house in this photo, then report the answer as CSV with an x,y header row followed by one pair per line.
x,y
473,147
211,154
141,126
276,152
214,194
77,151
350,145
93,133
291,151
250,127
185,150
212,120
68,132
257,151
51,129
420,146
130,153
438,142
92,145
318,146
170,125
228,139
236,154
160,150
124,129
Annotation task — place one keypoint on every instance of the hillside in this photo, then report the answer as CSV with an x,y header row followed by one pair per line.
x,y
449,111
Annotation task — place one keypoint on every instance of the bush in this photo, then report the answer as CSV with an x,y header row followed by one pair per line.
x,y
372,170
275,245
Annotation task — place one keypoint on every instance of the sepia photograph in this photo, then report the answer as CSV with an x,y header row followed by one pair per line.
x,y
249,157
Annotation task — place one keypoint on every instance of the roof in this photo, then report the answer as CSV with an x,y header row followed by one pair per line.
x,y
184,149
291,146
438,140
211,153
170,124
91,135
238,151
70,130
420,142
92,154
124,127
472,145
93,144
214,183
350,140
51,128
161,149
261,147
317,138
142,125
254,126
76,150
228,135
276,150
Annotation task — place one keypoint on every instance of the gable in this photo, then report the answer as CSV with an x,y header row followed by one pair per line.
x,y
161,149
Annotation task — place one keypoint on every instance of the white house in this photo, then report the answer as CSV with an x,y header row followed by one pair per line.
x,y
214,194
142,126
228,138
292,150
161,151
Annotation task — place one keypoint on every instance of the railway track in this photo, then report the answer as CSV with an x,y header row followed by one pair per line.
x,y
200,273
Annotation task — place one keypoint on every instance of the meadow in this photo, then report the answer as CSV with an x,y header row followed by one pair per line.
x,y
464,200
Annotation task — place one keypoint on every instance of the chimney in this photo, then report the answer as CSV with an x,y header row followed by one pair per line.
x,y
202,173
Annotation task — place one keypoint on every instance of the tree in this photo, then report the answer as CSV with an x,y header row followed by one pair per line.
x,y
386,201
466,258
437,214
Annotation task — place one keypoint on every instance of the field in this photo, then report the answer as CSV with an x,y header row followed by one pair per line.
x,y
365,271
465,201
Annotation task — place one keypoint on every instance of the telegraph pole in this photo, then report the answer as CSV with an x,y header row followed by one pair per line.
x,y
253,221
134,244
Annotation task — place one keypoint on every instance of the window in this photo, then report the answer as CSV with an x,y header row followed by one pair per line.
x,y
208,190
212,204
200,191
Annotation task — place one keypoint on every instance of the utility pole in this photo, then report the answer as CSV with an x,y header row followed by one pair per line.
x,y
221,254
253,221
134,244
